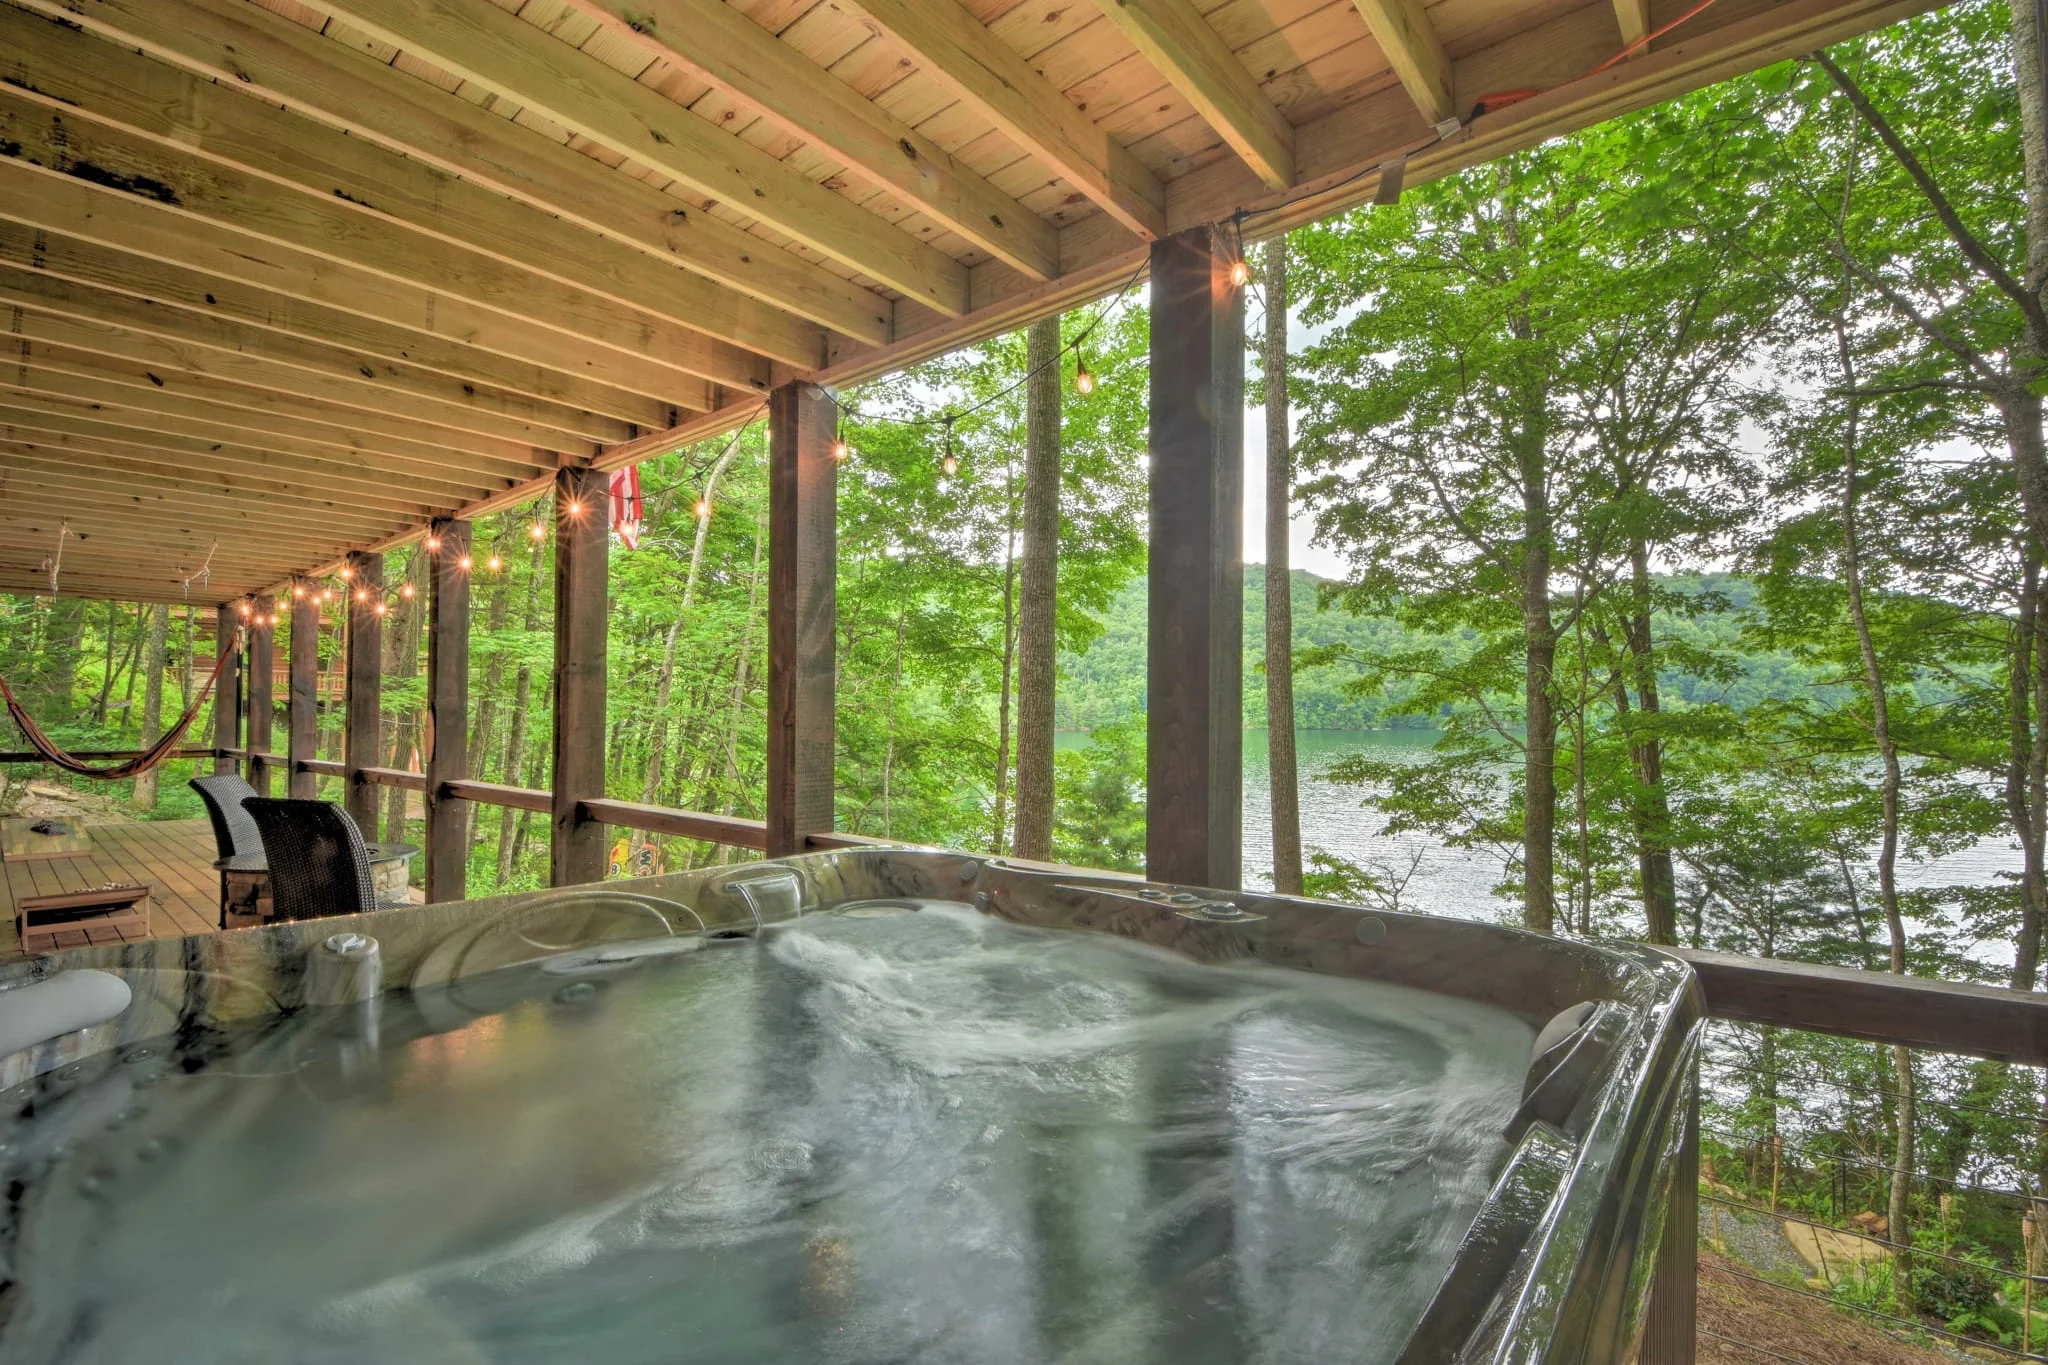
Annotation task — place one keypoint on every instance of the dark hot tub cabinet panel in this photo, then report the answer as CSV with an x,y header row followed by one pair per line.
x,y
1555,1263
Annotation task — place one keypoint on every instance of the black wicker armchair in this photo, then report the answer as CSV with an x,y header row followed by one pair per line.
x,y
234,830
318,864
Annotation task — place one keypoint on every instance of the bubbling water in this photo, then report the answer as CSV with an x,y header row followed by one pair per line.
x,y
903,1132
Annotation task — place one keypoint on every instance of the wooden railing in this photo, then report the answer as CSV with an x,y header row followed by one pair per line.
x,y
1877,1007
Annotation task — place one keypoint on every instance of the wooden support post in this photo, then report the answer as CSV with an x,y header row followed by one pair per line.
x,y
227,689
302,715
447,737
364,589
257,730
576,845
803,549
1195,650
1671,1327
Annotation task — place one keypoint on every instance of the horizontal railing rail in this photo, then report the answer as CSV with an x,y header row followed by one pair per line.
x,y
113,755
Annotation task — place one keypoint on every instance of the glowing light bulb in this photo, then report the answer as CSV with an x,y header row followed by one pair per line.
x,y
433,544
1239,273
348,571
463,564
494,564
406,592
299,590
951,464
703,509
841,450
245,611
576,507
539,531
1084,380
362,594
379,608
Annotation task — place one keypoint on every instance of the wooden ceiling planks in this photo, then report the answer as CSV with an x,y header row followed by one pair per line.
x,y
282,279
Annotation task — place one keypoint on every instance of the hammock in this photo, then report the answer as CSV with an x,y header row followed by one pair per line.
x,y
142,763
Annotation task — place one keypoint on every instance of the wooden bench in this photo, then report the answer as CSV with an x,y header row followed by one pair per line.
x,y
122,911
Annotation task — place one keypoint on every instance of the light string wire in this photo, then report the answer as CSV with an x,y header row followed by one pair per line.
x,y
953,414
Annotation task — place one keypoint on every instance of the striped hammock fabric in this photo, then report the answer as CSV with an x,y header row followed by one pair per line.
x,y
143,762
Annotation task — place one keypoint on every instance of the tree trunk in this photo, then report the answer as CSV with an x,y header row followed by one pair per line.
x,y
1539,767
1888,843
1037,636
889,748
1283,776
1007,694
99,706
2027,746
1651,806
515,739
142,619
739,672
401,726
482,728
152,699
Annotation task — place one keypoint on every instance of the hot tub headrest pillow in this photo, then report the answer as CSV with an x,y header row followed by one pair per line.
x,y
41,1010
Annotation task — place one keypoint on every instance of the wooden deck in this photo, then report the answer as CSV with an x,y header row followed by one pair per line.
x,y
175,857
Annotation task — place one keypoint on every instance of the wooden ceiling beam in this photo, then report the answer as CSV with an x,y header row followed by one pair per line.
x,y
125,384
955,49
29,471
50,392
60,313
28,535
189,114
1183,47
1633,18
583,410
372,485
738,56
1417,55
271,58
501,52
207,217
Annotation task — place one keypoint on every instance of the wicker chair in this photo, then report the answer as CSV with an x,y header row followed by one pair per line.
x,y
234,832
318,865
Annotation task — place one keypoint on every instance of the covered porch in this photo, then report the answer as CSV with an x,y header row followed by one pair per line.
x,y
292,286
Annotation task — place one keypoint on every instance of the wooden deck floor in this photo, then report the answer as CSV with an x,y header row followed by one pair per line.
x,y
173,856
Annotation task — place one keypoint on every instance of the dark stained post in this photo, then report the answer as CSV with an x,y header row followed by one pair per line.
x,y
262,643
803,551
447,708
1671,1328
576,847
1194,720
302,715
227,688
364,586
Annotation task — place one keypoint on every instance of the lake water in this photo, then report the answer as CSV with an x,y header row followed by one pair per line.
x,y
1455,881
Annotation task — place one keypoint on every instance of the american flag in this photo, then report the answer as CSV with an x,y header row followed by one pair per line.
x,y
626,510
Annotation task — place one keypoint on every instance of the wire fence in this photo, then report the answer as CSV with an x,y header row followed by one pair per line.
x,y
1799,1262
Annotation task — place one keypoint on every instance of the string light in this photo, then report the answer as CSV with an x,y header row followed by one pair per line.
x,y
348,571
840,449
245,611
540,532
494,563
406,592
1239,272
463,563
703,508
433,544
379,609
299,590
363,595
951,464
575,507
1084,379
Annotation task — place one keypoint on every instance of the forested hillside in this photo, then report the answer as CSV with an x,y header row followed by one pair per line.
x,y
1715,616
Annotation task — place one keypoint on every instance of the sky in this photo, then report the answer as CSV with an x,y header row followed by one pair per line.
x,y
1304,554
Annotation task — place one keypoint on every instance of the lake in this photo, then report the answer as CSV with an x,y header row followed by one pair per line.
x,y
1456,881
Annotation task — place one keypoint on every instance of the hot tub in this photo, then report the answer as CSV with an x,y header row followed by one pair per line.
x,y
870,1106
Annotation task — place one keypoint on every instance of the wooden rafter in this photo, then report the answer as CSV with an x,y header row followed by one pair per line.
x,y
1415,52
739,56
180,111
500,52
1002,87
60,313
271,58
1194,59
194,213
